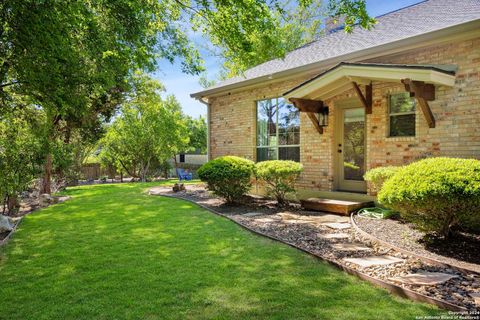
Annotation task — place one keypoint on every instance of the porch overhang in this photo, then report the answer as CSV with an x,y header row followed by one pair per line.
x,y
419,81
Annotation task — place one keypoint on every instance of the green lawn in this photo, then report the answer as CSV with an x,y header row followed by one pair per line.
x,y
113,252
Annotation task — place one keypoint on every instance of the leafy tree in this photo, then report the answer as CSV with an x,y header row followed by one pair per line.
x,y
20,155
149,129
288,25
75,60
197,129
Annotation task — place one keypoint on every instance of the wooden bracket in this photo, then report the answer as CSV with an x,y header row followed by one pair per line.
x,y
423,92
365,99
307,105
311,108
312,116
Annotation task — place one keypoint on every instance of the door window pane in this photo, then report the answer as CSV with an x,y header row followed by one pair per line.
x,y
354,144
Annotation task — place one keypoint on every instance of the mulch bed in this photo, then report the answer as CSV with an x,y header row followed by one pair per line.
x,y
462,250
304,229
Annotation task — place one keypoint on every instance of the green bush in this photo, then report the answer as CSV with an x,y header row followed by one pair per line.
x,y
228,177
436,194
279,177
378,176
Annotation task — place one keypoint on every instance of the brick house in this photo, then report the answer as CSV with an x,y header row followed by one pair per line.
x,y
405,90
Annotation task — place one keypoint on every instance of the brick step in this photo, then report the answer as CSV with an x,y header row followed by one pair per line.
x,y
336,206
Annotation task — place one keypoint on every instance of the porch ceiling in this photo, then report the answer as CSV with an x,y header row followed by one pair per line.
x,y
340,78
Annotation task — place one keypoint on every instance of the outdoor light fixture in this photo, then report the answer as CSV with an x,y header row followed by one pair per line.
x,y
323,117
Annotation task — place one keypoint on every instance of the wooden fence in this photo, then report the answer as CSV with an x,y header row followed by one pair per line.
x,y
94,171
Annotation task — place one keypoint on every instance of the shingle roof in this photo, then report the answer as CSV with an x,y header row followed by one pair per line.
x,y
421,18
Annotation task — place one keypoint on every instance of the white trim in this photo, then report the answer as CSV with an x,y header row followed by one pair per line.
x,y
320,88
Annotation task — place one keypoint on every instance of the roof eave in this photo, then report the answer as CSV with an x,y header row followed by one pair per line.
x,y
469,28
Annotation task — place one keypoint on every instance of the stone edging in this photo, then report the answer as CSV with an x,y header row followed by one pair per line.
x,y
4,241
392,288
405,251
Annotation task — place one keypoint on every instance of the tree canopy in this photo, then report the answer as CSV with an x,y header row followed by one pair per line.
x,y
148,130
76,62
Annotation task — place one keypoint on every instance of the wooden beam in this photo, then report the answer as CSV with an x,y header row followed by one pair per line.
x,y
420,89
307,105
315,122
422,92
367,99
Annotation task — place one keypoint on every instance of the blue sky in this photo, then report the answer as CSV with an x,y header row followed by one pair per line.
x,y
182,85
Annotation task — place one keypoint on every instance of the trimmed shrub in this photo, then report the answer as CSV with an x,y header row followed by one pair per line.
x,y
378,176
228,177
279,177
436,194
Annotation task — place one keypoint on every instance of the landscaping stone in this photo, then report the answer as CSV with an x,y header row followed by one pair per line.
x,y
334,236
339,226
424,278
6,224
253,214
371,261
63,199
476,298
46,199
329,218
267,220
356,246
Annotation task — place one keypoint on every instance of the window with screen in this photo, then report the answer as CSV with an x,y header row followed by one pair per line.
x,y
278,130
401,115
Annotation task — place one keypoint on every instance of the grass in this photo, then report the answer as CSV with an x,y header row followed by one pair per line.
x,y
114,252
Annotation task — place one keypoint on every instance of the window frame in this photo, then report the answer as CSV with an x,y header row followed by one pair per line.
x,y
395,114
277,135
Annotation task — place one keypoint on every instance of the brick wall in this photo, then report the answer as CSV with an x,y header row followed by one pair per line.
x,y
456,111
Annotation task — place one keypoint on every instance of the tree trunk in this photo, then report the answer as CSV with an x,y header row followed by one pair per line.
x,y
47,176
176,166
12,204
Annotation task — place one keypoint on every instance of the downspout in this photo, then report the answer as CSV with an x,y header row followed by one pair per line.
x,y
201,99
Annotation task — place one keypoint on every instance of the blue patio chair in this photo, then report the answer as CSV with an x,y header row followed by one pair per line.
x,y
182,175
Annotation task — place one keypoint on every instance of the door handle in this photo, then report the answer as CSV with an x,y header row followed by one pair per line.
x,y
339,150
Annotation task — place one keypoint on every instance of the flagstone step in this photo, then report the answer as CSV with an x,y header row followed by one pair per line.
x,y
334,236
424,278
338,226
253,214
371,261
318,218
354,246
336,206
476,298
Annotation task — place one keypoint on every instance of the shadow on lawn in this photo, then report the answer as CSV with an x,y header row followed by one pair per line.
x,y
112,251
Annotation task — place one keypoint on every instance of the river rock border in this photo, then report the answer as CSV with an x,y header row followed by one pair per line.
x,y
9,235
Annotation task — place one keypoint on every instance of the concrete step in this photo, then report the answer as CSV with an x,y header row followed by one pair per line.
x,y
336,206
